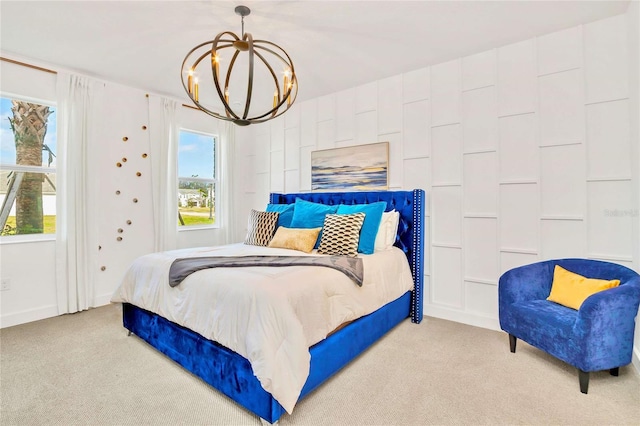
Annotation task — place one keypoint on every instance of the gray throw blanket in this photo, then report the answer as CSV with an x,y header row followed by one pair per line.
x,y
182,268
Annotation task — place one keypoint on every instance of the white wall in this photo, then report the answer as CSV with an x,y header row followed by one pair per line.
x,y
31,265
633,26
524,150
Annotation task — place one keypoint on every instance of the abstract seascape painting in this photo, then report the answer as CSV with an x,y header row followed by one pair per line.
x,y
352,168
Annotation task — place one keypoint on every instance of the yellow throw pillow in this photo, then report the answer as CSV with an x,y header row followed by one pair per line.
x,y
295,238
570,289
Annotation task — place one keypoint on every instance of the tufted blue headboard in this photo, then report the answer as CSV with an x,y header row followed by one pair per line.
x,y
410,238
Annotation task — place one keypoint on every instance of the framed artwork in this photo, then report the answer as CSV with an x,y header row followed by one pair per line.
x,y
352,168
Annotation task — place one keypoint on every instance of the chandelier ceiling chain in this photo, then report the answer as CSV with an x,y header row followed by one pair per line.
x,y
195,67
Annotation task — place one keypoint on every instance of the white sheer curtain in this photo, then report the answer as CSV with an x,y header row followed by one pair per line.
x,y
79,109
227,170
164,125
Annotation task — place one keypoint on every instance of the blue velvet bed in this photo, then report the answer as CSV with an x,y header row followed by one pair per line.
x,y
232,374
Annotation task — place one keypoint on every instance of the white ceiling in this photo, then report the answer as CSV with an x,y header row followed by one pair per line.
x,y
334,45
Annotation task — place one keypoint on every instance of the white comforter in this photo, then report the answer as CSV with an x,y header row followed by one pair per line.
x,y
269,315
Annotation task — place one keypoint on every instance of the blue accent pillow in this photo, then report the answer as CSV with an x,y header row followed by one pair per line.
x,y
286,213
310,215
373,216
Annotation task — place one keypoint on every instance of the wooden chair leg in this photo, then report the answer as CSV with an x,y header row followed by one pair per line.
x,y
583,376
512,343
615,371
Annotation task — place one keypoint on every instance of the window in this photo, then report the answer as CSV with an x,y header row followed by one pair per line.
x,y
27,167
197,179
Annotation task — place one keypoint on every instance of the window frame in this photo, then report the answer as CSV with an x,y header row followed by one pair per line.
x,y
28,238
215,181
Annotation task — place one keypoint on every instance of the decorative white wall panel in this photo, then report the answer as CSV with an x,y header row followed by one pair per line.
x,y
345,114
292,148
416,129
445,93
305,168
559,51
447,267
481,249
480,184
446,146
479,119
277,171
291,181
563,238
510,260
447,215
263,153
366,127
481,298
395,158
415,85
427,245
519,213
308,123
518,148
561,108
390,105
249,164
277,134
479,70
517,78
608,140
292,117
327,107
563,180
610,219
326,135
345,143
416,173
606,59
367,97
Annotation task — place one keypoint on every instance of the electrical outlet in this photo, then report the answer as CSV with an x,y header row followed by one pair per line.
x,y
5,284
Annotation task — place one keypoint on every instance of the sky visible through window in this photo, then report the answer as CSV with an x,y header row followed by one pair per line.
x,y
196,156
7,141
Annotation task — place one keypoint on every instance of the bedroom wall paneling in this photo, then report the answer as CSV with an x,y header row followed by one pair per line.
x,y
30,265
524,151
633,35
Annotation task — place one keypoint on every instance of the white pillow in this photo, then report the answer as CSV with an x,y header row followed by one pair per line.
x,y
387,231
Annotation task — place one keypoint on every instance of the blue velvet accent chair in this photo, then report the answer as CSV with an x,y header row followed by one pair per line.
x,y
598,336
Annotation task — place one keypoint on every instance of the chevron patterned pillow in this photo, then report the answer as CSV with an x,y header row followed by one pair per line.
x,y
341,234
261,227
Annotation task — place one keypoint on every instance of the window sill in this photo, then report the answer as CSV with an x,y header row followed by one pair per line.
x,y
197,228
28,238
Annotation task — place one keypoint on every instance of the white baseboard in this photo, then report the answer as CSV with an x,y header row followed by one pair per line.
x,y
29,315
451,314
43,312
635,358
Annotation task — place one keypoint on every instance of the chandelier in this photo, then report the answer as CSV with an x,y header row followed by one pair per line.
x,y
233,78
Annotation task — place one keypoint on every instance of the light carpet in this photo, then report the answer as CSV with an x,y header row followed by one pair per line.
x,y
83,369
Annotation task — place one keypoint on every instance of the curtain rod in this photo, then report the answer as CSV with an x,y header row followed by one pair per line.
x,y
2,58
27,65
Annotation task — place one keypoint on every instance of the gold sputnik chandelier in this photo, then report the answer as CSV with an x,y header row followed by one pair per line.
x,y
233,78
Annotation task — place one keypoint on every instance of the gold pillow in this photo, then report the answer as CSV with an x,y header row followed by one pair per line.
x,y
570,289
295,238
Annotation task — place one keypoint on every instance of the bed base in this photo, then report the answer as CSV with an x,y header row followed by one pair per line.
x,y
232,374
